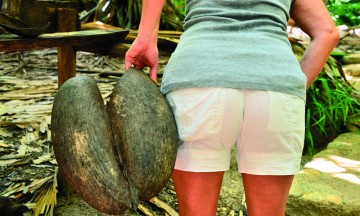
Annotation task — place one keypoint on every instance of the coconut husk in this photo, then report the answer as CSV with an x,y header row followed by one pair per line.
x,y
144,131
82,140
114,156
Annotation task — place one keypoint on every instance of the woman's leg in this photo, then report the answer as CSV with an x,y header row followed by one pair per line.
x,y
269,149
197,192
209,121
266,195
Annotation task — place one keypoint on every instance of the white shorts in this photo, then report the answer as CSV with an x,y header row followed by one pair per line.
x,y
266,127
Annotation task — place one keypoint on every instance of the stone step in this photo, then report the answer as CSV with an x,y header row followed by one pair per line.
x,y
352,69
353,58
329,185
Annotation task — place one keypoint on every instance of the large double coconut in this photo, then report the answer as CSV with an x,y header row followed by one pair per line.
x,y
116,154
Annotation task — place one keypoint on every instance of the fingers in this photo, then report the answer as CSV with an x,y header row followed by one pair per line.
x,y
136,61
127,65
132,56
128,60
142,55
153,73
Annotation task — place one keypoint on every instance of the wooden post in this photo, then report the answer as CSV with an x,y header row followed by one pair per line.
x,y
66,22
66,54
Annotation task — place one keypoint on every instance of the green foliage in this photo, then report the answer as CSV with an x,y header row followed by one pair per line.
x,y
345,12
329,107
173,15
127,13
180,6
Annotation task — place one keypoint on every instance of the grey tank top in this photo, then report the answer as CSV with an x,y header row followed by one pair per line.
x,y
239,44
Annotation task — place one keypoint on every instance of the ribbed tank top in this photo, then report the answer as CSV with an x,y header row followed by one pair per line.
x,y
239,44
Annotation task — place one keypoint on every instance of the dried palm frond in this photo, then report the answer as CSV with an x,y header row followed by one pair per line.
x,y
44,199
43,192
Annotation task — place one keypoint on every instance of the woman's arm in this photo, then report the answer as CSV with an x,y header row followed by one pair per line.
x,y
144,52
313,18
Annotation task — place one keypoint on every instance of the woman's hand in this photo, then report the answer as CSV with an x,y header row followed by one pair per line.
x,y
143,53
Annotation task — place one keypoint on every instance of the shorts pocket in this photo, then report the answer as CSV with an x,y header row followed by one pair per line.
x,y
198,112
287,112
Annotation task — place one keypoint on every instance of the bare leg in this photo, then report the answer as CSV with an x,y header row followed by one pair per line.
x,y
266,195
197,192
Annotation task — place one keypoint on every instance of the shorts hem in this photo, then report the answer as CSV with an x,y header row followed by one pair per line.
x,y
203,169
270,163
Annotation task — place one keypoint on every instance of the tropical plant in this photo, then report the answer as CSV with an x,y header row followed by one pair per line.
x,y
330,105
180,6
345,12
127,13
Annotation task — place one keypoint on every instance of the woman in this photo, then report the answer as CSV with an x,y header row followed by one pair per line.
x,y
233,79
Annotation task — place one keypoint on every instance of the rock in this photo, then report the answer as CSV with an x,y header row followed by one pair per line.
x,y
353,41
329,184
351,59
352,69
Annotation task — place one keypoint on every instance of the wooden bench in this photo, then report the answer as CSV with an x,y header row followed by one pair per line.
x,y
68,42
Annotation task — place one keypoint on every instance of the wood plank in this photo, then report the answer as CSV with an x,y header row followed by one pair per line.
x,y
10,42
113,49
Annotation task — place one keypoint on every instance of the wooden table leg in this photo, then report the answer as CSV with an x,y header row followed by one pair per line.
x,y
66,70
66,54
